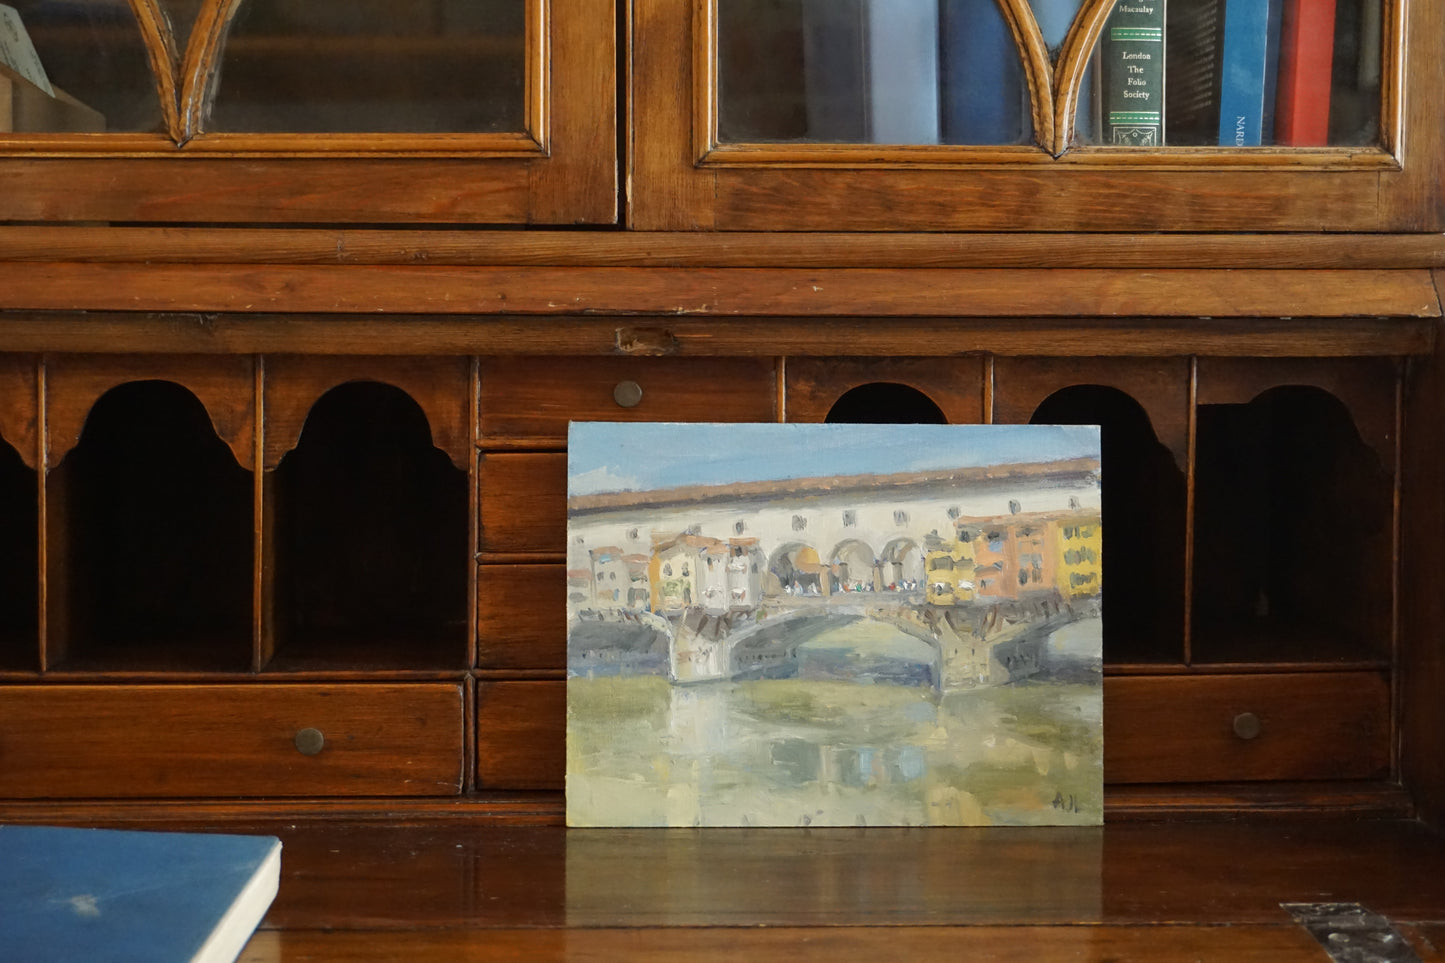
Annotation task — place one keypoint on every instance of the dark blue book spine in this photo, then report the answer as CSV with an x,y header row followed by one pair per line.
x,y
982,96
1244,73
1271,66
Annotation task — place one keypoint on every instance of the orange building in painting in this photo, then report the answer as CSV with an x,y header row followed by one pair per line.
x,y
1020,554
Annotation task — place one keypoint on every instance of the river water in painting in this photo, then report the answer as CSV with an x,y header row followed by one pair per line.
x,y
834,751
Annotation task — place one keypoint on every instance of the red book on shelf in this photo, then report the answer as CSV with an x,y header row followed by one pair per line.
x,y
1306,58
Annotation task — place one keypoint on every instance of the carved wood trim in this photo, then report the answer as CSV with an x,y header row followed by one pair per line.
x,y
161,51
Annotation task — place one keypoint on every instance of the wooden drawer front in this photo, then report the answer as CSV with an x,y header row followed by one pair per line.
x,y
528,401
521,617
524,503
521,735
1183,728
230,740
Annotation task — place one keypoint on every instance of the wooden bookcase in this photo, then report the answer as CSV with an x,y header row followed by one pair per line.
x,y
284,481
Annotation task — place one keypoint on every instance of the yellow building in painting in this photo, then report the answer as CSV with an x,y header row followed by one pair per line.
x,y
948,571
1018,555
1080,545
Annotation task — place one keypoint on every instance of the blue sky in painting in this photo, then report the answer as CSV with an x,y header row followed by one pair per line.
x,y
618,456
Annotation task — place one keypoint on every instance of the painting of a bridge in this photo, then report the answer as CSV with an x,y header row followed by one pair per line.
x,y
834,625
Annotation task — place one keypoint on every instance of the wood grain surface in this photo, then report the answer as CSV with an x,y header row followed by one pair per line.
x,y
229,740
718,292
1151,891
528,402
773,248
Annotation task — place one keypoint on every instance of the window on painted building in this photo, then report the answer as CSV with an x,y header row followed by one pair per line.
x,y
850,518
632,534
739,527
799,523
1014,507
954,511
995,541
900,517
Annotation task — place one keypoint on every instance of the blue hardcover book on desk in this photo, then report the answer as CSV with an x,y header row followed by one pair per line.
x,y
105,896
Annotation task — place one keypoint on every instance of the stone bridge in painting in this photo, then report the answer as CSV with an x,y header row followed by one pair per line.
x,y
977,643
741,573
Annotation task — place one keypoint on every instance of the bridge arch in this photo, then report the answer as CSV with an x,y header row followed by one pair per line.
x,y
855,565
794,568
901,563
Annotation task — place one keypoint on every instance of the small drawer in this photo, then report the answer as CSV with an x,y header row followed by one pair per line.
x,y
521,735
523,503
527,402
521,617
156,741
1222,728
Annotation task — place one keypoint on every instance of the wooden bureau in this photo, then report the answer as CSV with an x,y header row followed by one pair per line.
x,y
283,435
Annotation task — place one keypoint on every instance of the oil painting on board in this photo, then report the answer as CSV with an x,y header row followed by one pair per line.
x,y
834,625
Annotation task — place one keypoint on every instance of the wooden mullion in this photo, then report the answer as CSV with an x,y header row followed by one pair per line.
x,y
58,625
1038,69
474,401
1074,59
201,65
263,562
1396,565
162,52
1191,464
42,533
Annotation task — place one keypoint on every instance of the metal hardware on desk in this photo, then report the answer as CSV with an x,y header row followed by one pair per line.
x,y
628,394
310,741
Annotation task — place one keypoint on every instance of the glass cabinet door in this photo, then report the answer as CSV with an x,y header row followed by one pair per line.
x,y
375,66
1237,74
1212,73
511,104
1035,115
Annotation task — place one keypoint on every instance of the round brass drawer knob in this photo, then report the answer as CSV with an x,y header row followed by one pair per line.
x,y
628,394
1246,725
310,741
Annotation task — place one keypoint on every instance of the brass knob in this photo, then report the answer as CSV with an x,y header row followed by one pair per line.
x,y
310,741
628,394
1246,725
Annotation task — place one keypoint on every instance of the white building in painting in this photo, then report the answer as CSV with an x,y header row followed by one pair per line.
x,y
727,548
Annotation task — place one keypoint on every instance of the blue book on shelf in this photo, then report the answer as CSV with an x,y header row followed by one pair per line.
x,y
105,896
1245,73
902,57
983,99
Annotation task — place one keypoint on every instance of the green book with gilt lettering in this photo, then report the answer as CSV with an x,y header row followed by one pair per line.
x,y
1131,74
